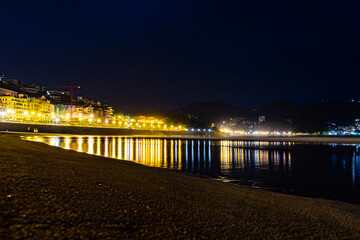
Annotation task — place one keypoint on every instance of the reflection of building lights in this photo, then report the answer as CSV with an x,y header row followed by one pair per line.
x,y
26,113
32,113
39,114
98,120
57,120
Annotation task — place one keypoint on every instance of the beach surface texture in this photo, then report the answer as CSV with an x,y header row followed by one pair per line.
x,y
51,193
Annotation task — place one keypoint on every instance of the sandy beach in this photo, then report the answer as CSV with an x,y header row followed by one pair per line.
x,y
51,193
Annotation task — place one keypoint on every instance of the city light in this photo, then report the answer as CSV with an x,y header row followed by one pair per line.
x,y
34,110
256,133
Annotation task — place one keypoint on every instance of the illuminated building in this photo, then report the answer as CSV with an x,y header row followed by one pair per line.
x,y
89,110
40,105
26,108
13,106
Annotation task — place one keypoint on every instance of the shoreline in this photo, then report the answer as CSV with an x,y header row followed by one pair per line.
x,y
296,139
94,130
49,191
55,130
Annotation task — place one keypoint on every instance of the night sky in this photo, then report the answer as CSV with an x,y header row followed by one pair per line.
x,y
147,55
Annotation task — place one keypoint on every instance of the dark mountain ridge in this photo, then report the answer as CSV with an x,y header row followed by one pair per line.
x,y
309,117
215,110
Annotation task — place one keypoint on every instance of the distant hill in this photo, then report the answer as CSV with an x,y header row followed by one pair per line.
x,y
306,118
341,113
216,110
279,110
311,117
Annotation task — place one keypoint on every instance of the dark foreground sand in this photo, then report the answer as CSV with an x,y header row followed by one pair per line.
x,y
50,193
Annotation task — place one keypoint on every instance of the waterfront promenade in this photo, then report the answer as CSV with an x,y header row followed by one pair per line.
x,y
50,193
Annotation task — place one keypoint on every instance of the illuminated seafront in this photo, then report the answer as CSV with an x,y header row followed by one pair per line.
x,y
48,192
60,129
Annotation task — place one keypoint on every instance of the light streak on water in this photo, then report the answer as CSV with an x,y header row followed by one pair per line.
x,y
91,145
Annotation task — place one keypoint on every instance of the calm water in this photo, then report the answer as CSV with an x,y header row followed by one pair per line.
x,y
319,170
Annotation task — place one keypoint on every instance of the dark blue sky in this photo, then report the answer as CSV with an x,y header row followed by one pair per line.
x,y
141,54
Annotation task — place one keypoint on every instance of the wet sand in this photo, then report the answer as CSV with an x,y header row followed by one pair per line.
x,y
51,193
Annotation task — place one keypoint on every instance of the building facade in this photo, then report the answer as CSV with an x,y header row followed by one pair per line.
x,y
26,108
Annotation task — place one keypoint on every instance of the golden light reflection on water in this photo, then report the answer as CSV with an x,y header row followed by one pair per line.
x,y
171,153
79,144
67,142
119,148
180,154
106,148
113,148
90,145
180,159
